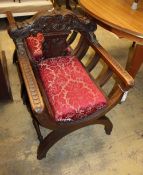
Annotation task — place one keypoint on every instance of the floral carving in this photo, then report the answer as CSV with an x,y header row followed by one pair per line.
x,y
54,21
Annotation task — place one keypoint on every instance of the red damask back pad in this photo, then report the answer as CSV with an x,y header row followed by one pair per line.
x,y
34,44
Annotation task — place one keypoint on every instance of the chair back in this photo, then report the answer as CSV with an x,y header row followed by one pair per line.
x,y
56,27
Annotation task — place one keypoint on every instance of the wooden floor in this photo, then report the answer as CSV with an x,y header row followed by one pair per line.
x,y
88,151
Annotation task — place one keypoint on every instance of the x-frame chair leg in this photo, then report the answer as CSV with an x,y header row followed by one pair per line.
x,y
37,128
56,135
108,126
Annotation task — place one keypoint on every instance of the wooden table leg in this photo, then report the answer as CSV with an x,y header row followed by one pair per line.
x,y
135,59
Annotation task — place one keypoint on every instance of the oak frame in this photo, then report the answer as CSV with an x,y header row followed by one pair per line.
x,y
32,90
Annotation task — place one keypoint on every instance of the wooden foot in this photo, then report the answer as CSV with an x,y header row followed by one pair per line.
x,y
108,126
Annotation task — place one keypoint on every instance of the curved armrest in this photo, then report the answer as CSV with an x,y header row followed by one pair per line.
x,y
115,66
32,88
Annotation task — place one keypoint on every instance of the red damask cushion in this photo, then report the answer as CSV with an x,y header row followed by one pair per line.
x,y
71,92
34,44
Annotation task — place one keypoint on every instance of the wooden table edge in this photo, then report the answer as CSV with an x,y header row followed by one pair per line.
x,y
122,32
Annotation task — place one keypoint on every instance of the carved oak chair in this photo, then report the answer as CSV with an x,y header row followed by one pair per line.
x,y
59,90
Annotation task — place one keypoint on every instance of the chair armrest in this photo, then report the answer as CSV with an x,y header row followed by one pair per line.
x,y
115,66
32,88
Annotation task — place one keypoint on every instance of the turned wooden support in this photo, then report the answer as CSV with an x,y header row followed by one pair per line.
x,y
135,59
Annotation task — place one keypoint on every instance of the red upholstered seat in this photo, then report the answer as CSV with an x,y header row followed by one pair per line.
x,y
34,44
71,92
